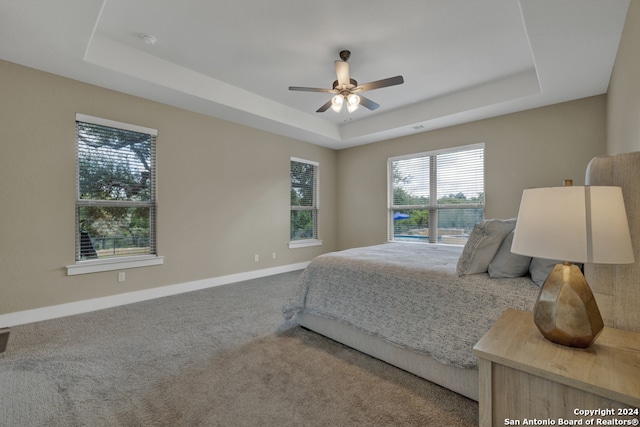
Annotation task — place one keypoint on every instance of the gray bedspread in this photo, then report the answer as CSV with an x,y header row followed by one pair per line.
x,y
410,295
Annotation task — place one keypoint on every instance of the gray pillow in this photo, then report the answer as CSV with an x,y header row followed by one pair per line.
x,y
540,268
506,263
483,243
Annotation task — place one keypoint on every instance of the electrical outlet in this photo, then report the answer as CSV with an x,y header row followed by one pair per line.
x,y
257,257
121,276
273,255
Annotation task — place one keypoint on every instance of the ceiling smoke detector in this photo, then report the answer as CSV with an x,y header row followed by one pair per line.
x,y
148,39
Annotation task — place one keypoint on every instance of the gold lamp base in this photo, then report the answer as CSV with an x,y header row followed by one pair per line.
x,y
566,311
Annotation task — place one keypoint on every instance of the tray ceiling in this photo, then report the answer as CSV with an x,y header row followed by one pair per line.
x,y
462,60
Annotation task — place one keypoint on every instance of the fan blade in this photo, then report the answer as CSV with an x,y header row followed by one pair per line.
x,y
324,107
312,89
367,103
342,71
391,81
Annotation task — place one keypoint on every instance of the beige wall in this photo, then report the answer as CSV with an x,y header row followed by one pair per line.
x,y
223,188
533,148
623,98
223,192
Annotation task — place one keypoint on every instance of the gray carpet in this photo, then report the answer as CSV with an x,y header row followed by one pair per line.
x,y
208,358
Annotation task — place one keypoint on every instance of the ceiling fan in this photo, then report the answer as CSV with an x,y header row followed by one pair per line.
x,y
346,89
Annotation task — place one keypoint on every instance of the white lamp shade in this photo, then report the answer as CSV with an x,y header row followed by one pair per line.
x,y
576,224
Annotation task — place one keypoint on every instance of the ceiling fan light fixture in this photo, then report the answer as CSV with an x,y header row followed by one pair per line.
x,y
336,103
353,101
345,88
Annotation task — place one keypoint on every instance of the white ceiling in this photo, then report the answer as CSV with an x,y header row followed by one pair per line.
x,y
462,60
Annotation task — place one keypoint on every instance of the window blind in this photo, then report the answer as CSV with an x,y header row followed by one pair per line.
x,y
115,192
304,200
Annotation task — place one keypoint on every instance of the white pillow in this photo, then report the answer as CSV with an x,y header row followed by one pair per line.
x,y
484,241
506,263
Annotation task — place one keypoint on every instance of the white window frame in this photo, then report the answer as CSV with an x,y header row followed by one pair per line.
x,y
293,244
433,206
124,262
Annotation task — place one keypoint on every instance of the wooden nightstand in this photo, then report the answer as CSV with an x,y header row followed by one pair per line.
x,y
525,379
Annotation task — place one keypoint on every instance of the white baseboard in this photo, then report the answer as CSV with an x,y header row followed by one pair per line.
x,y
79,307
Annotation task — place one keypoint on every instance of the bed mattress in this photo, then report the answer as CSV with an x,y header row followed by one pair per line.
x,y
410,296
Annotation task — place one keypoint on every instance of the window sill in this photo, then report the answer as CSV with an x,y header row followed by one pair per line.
x,y
304,243
95,266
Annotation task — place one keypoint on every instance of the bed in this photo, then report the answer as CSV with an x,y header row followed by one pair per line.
x,y
423,307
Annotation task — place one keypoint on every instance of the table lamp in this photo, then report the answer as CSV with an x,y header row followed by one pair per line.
x,y
581,224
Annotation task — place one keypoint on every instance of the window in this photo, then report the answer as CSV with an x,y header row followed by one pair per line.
x,y
115,193
436,197
304,203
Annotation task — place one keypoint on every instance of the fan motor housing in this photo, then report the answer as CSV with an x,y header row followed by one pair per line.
x,y
351,81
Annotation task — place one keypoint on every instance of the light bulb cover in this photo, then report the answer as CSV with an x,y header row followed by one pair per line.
x,y
353,101
336,103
